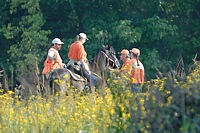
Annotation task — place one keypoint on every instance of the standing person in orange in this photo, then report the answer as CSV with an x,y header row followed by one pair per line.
x,y
127,65
53,59
78,55
137,74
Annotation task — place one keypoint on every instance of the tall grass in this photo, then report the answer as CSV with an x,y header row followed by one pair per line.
x,y
166,105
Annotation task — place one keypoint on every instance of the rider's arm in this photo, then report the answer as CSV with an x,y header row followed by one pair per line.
x,y
51,55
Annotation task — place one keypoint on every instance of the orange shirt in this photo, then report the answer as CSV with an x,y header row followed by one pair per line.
x,y
77,51
137,74
127,66
52,64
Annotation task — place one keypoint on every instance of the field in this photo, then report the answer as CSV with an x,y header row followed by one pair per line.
x,y
166,105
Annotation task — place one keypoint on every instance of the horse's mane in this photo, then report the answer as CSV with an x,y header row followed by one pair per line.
x,y
102,48
94,63
91,61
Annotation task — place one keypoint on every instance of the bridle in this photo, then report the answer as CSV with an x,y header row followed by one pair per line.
x,y
108,59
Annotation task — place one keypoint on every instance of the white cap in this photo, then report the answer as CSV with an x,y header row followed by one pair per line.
x,y
83,35
57,41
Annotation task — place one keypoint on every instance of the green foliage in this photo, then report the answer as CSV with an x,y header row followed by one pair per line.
x,y
155,29
127,33
169,27
151,59
27,49
166,105
176,101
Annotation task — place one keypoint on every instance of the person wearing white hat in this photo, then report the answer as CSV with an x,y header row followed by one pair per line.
x,y
77,51
83,35
53,59
78,55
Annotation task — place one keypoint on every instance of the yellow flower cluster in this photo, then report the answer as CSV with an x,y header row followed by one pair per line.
x,y
73,113
117,109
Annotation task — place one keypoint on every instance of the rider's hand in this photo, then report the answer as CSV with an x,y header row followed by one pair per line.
x,y
64,65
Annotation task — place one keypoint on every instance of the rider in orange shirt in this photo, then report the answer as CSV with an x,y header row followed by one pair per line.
x,y
77,52
125,57
78,55
53,59
137,74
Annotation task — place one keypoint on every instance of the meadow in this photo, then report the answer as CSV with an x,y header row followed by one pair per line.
x,y
169,104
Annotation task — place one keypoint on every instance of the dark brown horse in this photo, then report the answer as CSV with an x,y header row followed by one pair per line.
x,y
61,80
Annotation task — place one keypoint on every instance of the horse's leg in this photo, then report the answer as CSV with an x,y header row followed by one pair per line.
x,y
79,85
63,86
52,88
92,87
66,83
68,87
61,90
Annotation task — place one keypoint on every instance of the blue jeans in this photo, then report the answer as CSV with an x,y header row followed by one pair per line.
x,y
90,77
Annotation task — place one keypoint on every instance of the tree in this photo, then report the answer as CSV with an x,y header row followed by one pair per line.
x,y
162,29
24,30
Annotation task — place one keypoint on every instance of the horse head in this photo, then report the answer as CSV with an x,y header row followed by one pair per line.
x,y
111,60
104,61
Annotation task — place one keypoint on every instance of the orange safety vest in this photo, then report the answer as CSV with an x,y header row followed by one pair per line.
x,y
77,51
52,64
137,74
127,66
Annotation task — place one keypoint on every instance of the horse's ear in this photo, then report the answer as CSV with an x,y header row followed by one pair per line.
x,y
103,47
108,46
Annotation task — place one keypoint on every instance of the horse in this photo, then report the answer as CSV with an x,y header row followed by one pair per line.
x,y
60,80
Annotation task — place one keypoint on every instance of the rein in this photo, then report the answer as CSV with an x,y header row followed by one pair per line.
x,y
108,59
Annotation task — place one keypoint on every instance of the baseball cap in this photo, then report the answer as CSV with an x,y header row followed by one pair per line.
x,y
57,41
124,51
83,35
135,51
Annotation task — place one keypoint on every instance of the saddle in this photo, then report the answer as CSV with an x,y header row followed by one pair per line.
x,y
76,76
77,71
74,65
61,74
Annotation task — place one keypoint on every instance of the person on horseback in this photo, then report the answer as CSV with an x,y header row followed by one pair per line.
x,y
78,59
137,74
53,59
125,58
